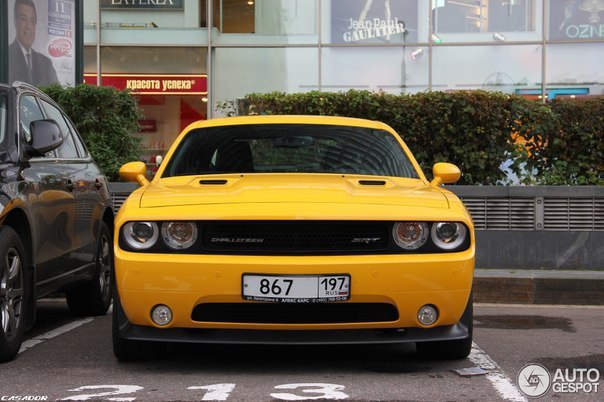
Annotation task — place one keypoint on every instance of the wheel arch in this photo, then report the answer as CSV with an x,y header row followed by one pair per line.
x,y
108,218
18,221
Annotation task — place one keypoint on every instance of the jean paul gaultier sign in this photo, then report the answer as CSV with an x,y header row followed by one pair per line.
x,y
142,4
373,21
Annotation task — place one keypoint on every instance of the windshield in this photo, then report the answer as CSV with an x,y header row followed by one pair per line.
x,y
3,115
290,148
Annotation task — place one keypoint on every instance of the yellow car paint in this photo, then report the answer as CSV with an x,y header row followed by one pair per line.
x,y
182,281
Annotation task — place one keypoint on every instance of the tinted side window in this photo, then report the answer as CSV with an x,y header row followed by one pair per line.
x,y
76,138
68,147
29,111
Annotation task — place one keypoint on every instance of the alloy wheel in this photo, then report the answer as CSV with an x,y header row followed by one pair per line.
x,y
11,294
104,263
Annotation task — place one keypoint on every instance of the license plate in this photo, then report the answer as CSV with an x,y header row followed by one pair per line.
x,y
296,288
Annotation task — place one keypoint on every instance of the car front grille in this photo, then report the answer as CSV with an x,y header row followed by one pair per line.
x,y
290,313
295,237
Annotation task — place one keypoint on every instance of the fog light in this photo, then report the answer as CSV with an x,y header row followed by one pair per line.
x,y
161,315
427,315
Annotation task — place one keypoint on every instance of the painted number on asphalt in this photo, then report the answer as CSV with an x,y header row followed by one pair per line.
x,y
319,391
118,390
215,392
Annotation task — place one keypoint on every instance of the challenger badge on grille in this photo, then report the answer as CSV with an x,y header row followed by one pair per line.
x,y
236,240
366,240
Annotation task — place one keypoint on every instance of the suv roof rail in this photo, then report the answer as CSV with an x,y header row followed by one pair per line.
x,y
22,84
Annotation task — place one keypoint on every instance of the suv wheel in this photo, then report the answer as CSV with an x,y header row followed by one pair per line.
x,y
94,297
13,293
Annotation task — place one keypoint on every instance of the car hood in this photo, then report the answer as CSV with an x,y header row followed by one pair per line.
x,y
291,188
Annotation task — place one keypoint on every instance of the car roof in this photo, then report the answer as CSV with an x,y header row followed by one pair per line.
x,y
288,119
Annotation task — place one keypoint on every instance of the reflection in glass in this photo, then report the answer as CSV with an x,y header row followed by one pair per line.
x,y
392,70
576,19
152,60
577,66
461,16
240,71
496,68
373,21
262,17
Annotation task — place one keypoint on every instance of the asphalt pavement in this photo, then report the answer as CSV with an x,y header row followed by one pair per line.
x,y
71,359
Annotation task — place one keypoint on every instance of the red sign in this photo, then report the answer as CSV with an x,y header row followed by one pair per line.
x,y
148,126
60,47
149,84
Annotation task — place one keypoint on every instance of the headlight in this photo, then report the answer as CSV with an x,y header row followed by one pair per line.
x,y
448,235
179,235
140,235
410,235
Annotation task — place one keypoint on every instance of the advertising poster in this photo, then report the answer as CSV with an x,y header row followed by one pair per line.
x,y
41,36
373,21
576,20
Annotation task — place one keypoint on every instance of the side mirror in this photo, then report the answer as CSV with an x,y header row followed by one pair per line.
x,y
135,172
45,136
445,173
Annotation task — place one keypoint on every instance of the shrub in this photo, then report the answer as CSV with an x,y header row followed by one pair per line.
x,y
575,149
106,118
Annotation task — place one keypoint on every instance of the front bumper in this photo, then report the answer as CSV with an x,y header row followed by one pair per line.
x,y
183,282
284,337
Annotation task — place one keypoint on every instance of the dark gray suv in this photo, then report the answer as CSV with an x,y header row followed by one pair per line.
x,y
56,218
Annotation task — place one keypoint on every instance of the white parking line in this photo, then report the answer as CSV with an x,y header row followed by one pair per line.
x,y
502,384
30,343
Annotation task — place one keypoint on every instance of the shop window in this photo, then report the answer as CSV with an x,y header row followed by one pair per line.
x,y
576,20
369,21
170,84
230,16
459,16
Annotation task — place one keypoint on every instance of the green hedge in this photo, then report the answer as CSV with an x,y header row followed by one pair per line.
x,y
106,118
575,150
472,129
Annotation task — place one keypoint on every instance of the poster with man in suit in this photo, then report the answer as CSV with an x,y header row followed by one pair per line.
x,y
40,33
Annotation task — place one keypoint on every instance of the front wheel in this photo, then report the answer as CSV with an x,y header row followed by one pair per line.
x,y
450,350
94,298
13,293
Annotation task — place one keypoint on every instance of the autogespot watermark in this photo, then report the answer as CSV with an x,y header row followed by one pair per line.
x,y
534,380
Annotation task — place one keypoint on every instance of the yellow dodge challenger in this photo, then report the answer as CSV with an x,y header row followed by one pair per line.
x,y
292,230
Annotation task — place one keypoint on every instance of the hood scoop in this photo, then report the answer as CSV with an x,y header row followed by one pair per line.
x,y
372,182
213,182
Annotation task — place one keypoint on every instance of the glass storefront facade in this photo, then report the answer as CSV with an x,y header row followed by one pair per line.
x,y
181,66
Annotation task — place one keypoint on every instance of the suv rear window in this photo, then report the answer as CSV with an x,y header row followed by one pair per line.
x,y
290,148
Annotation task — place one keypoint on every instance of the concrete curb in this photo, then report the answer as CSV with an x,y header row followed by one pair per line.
x,y
539,287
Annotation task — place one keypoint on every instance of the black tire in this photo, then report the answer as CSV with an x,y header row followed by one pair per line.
x,y
128,350
14,293
94,297
450,350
